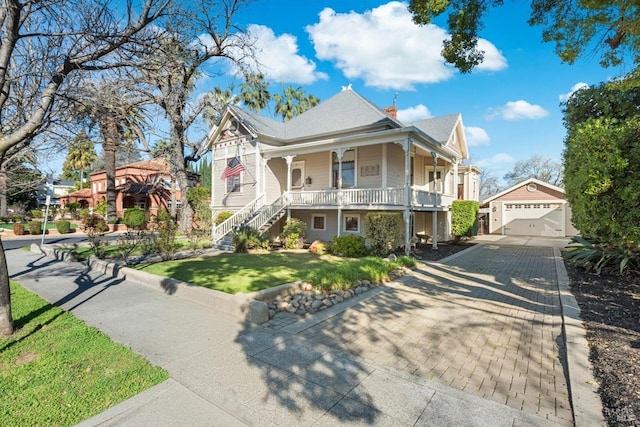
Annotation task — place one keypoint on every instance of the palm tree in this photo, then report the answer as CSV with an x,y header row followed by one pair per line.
x,y
117,113
217,101
81,154
254,92
293,102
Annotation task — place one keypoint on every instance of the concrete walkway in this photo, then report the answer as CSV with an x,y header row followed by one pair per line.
x,y
475,342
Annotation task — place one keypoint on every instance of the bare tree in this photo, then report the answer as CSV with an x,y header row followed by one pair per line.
x,y
541,168
196,37
43,45
489,184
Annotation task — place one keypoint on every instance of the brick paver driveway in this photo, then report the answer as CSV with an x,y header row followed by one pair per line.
x,y
488,323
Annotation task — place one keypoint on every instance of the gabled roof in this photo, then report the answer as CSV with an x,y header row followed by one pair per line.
x,y
439,128
342,112
343,115
522,184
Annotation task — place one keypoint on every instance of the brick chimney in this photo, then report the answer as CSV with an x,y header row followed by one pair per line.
x,y
392,111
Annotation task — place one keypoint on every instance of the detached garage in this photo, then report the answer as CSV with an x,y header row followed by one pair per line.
x,y
530,208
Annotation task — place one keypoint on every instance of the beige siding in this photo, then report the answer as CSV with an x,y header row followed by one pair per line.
x,y
331,224
318,168
369,164
495,217
248,191
276,179
395,166
423,224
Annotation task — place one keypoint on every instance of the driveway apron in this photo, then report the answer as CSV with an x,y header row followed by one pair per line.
x,y
488,322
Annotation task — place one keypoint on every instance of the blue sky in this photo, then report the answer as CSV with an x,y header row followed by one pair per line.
x,y
510,105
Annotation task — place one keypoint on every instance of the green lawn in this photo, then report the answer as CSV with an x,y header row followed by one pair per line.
x,y
55,370
244,272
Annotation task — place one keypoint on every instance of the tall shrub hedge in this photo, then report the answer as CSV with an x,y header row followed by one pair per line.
x,y
383,231
464,218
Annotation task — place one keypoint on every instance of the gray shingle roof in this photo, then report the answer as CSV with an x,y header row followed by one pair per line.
x,y
439,128
339,114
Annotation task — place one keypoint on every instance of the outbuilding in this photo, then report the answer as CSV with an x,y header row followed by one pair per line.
x,y
529,208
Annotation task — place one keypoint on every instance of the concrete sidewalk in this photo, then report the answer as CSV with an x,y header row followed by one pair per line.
x,y
335,367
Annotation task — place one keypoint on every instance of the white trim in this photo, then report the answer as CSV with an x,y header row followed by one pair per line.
x,y
344,222
324,221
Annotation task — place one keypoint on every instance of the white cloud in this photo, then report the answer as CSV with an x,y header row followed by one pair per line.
x,y
518,110
493,58
412,114
277,58
496,161
476,136
383,47
564,96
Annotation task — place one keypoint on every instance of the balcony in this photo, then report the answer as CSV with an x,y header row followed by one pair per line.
x,y
366,198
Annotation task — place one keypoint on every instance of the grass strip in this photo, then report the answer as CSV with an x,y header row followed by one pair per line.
x,y
55,370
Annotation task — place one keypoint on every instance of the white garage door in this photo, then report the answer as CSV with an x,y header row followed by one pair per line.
x,y
533,219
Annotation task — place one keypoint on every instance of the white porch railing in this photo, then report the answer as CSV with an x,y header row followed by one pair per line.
x,y
237,218
367,197
267,212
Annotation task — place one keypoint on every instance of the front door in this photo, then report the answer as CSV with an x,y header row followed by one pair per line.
x,y
297,175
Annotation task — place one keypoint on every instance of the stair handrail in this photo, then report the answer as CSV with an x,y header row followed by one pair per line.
x,y
267,212
237,218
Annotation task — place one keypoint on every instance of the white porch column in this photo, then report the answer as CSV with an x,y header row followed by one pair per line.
x,y
289,160
339,153
258,170
434,222
407,196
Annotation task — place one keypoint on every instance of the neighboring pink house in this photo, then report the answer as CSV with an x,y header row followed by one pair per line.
x,y
530,208
146,184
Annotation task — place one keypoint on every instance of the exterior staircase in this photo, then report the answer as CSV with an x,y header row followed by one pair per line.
x,y
255,214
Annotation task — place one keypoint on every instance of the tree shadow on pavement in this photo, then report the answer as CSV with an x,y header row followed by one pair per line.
x,y
313,374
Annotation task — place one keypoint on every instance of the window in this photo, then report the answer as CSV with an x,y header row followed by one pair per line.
x,y
435,185
233,184
348,169
352,223
318,222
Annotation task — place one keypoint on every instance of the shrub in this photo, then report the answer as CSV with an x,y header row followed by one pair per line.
x,y
63,226
591,254
4,219
35,227
18,228
383,231
135,218
350,245
83,212
167,230
73,207
101,208
293,233
246,238
95,226
464,218
16,218
223,216
37,213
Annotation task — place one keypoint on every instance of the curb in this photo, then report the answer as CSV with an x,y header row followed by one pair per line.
x,y
241,306
583,392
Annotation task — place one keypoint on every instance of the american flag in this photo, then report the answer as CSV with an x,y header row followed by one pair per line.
x,y
234,167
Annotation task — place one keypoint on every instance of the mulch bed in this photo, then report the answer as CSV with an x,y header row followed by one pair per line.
x,y
610,307
426,253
